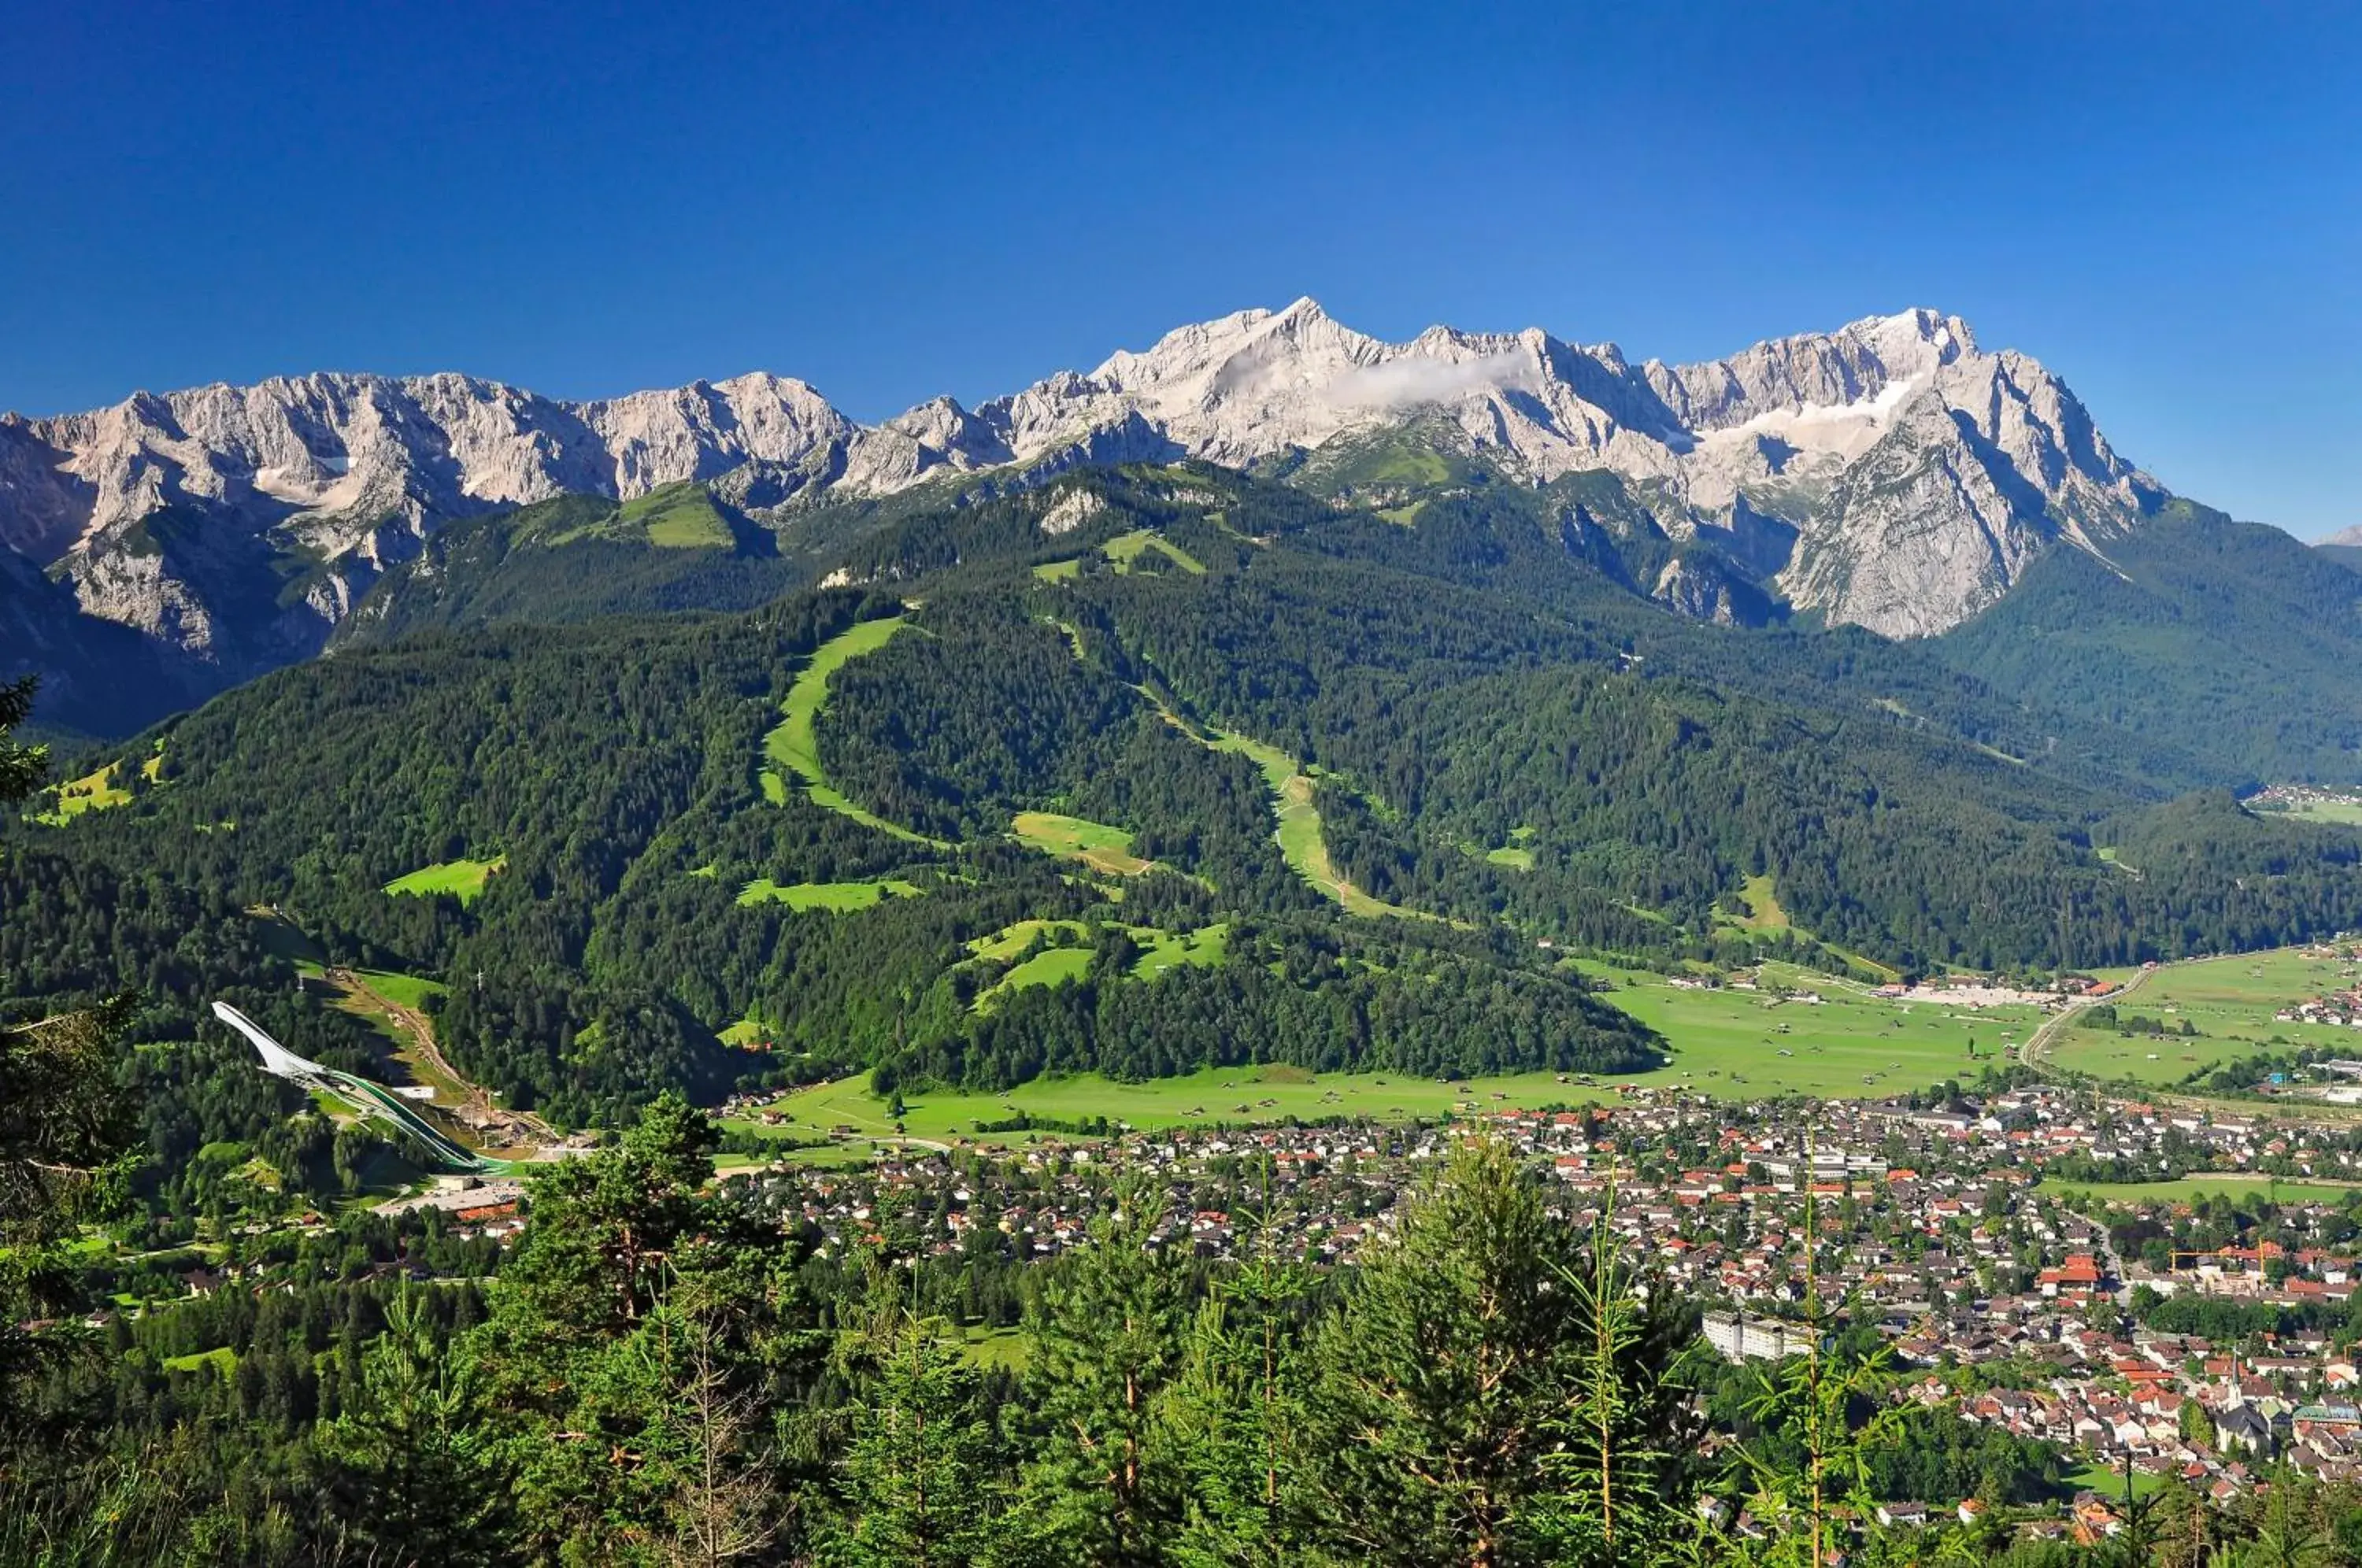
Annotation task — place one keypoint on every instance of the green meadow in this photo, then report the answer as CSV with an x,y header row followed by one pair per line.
x,y
2349,813
1723,1043
678,517
2230,1000
1051,967
1236,1095
2188,1190
1513,855
95,791
402,991
463,880
1207,948
1125,549
1067,957
1010,940
1851,1044
792,746
1096,844
840,897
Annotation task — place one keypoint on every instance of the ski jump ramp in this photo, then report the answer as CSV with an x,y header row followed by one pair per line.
x,y
276,1059
374,1099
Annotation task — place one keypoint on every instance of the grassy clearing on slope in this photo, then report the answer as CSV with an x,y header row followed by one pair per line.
x,y
679,517
1297,828
1060,571
1124,549
1096,844
407,991
2229,1000
1051,967
840,897
1010,940
463,880
1207,947
402,991
91,792
793,746
2347,813
1763,911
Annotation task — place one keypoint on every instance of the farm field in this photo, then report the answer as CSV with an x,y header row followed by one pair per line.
x,y
838,898
463,880
2190,1189
2349,813
793,748
1096,844
2229,1000
1851,1035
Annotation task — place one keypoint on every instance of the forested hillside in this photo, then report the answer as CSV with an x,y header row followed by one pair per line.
x,y
1381,786
2229,640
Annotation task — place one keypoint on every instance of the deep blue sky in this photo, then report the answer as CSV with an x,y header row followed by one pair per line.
x,y
2163,204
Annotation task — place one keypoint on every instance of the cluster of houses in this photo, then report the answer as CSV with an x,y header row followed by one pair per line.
x,y
1933,1222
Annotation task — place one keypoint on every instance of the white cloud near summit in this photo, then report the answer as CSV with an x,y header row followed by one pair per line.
x,y
1415,379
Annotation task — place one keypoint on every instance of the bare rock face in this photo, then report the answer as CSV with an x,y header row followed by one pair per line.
x,y
1890,473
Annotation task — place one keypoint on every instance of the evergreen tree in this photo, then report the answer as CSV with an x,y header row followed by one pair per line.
x,y
922,1489
1810,1460
22,768
1628,1435
1445,1384
627,1342
1238,1416
1106,1344
408,1466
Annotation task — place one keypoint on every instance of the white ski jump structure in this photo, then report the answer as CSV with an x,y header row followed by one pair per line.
x,y
276,1059
374,1099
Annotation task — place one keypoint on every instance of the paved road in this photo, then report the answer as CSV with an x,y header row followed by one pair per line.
x,y
2042,1039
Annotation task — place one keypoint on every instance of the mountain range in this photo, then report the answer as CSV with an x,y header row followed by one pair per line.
x,y
1891,474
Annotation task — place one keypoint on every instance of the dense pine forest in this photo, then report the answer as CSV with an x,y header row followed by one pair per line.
x,y
1221,773
1485,760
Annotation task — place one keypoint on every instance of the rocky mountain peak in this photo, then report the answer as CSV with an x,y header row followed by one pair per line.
x,y
1893,439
